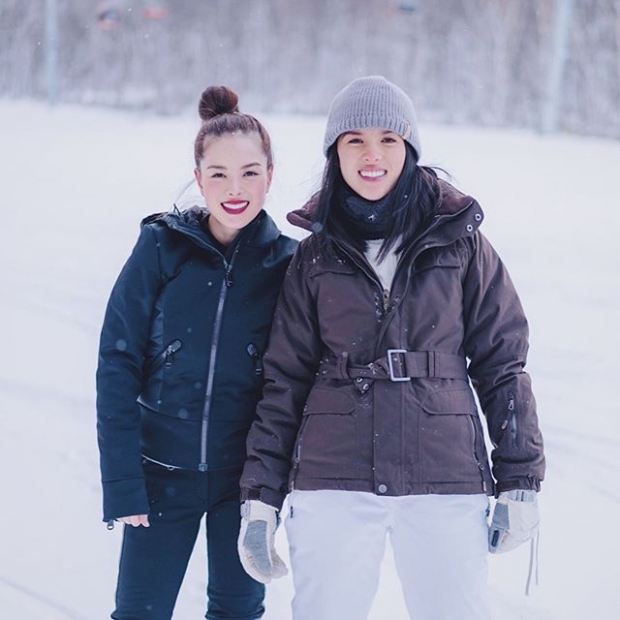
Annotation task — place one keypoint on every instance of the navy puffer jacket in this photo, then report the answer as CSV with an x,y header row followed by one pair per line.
x,y
180,369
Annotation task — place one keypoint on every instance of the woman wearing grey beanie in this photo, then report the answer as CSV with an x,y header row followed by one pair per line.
x,y
392,310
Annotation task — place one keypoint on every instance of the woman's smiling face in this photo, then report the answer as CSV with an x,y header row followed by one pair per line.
x,y
234,179
371,161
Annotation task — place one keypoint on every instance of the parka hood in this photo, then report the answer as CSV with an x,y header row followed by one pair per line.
x,y
304,216
452,202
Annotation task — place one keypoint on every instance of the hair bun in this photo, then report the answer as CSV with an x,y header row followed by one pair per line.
x,y
216,100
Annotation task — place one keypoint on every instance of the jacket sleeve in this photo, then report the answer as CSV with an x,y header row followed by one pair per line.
x,y
290,365
122,350
496,343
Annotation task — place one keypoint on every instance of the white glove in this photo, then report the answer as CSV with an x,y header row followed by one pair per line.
x,y
515,520
255,544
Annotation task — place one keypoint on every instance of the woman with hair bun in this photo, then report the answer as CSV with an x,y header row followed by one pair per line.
x,y
180,372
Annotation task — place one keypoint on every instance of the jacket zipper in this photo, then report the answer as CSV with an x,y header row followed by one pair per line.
x,y
217,325
478,463
513,421
510,422
165,357
291,485
297,453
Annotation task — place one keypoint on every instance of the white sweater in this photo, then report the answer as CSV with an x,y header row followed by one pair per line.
x,y
386,269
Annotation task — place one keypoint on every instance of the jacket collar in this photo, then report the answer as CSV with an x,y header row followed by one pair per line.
x,y
260,232
458,215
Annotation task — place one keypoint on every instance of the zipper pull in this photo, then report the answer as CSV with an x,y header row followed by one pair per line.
x,y
173,347
228,277
512,420
511,408
258,363
386,299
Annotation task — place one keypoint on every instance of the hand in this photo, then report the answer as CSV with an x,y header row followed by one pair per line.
x,y
515,520
256,542
135,520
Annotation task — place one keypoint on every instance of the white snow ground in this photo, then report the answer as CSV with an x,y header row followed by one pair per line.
x,y
75,183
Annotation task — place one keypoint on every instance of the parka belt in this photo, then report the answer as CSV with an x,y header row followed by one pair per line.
x,y
401,365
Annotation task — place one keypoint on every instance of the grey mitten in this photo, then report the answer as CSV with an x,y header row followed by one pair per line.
x,y
256,542
515,520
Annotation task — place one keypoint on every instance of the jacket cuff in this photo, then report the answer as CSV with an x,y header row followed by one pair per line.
x,y
123,498
267,496
526,483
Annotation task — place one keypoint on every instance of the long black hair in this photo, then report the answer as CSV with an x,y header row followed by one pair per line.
x,y
414,201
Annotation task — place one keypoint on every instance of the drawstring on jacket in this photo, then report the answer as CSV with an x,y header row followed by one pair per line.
x,y
533,567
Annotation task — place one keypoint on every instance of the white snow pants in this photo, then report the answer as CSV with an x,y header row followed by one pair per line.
x,y
337,542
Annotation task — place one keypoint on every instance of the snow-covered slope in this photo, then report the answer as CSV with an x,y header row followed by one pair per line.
x,y
75,184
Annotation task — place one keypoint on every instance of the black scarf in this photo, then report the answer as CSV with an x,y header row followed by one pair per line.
x,y
366,219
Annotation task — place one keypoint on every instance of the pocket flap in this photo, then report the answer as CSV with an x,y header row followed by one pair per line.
x,y
325,400
340,268
454,402
438,258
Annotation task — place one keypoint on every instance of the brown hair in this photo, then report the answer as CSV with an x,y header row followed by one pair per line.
x,y
220,116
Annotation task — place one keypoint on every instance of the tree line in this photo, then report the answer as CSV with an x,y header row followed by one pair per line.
x,y
481,62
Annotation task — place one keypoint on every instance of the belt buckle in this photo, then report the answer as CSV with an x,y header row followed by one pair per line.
x,y
391,365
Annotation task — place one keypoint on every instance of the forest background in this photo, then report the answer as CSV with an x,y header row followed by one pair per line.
x,y
538,64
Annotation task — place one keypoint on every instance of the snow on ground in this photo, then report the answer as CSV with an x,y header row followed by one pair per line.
x,y
75,184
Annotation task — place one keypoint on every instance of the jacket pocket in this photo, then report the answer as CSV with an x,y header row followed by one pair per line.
x,y
329,401
154,370
165,358
449,445
169,439
457,401
331,442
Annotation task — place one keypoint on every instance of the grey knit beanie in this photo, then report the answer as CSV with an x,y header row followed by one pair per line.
x,y
372,102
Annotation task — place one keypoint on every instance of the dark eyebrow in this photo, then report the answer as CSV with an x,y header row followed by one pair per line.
x,y
216,167
353,132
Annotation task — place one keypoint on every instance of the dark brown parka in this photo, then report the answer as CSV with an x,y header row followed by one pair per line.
x,y
368,392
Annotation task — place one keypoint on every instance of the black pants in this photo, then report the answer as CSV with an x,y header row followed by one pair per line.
x,y
154,559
